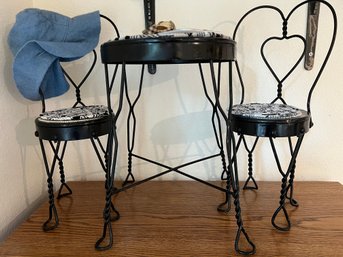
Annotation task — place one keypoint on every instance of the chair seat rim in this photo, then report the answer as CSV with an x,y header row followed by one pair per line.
x,y
73,131
287,119
271,127
268,128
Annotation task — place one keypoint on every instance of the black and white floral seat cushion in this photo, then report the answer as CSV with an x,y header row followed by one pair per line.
x,y
267,111
179,33
75,114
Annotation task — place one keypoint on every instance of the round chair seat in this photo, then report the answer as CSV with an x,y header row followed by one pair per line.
x,y
269,120
74,123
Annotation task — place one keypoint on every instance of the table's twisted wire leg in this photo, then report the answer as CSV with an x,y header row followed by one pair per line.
x,y
216,124
112,153
232,178
53,221
131,127
217,129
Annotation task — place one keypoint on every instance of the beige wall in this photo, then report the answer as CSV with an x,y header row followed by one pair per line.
x,y
171,95
21,170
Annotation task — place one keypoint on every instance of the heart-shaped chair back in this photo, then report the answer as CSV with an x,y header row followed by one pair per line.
x,y
280,79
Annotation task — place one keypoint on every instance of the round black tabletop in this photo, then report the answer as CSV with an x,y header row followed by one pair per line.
x,y
168,50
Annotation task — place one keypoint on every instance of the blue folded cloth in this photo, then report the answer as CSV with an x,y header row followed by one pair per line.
x,y
40,39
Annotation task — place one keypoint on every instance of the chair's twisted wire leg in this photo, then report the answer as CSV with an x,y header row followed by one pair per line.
x,y
60,157
109,189
116,212
107,229
96,143
226,205
283,193
129,177
250,178
250,165
241,229
250,175
235,186
52,221
223,159
101,244
290,187
64,185
239,220
284,186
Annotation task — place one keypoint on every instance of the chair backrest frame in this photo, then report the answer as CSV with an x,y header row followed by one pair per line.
x,y
285,19
77,86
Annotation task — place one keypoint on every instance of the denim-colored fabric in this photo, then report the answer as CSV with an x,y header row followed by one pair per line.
x,y
40,40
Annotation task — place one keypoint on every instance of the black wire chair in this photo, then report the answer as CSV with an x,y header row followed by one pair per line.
x,y
277,119
78,122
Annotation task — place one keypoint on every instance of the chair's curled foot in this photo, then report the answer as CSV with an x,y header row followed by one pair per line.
x,y
60,194
251,245
225,206
223,177
52,222
246,184
129,179
103,243
286,227
116,215
292,201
